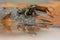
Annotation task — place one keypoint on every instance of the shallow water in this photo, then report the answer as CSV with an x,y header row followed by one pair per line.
x,y
51,34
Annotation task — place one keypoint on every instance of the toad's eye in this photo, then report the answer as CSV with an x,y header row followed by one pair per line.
x,y
19,11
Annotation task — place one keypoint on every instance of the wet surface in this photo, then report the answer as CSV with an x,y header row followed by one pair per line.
x,y
51,34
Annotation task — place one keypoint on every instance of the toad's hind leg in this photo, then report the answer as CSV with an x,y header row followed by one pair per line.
x,y
7,22
7,28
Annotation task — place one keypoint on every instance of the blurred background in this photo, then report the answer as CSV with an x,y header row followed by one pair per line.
x,y
24,1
